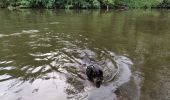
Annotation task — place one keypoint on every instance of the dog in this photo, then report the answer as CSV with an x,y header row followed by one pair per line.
x,y
92,69
94,74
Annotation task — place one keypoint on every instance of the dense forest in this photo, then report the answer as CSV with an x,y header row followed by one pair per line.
x,y
85,4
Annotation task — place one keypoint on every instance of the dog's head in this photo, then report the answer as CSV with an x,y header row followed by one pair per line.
x,y
95,75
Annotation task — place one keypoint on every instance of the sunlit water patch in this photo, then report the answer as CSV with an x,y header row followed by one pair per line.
x,y
108,89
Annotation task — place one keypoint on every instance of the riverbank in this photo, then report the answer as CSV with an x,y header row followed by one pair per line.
x,y
85,4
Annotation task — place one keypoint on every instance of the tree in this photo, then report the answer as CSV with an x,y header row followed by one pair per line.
x,y
107,3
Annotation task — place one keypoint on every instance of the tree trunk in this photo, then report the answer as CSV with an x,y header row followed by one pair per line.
x,y
107,7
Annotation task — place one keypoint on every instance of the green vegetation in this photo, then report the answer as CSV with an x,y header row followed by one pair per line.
x,y
85,4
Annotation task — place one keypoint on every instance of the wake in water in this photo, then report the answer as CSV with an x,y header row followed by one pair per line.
x,y
116,71
69,64
121,76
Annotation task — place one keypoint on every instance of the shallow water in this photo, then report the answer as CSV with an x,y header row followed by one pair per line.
x,y
40,54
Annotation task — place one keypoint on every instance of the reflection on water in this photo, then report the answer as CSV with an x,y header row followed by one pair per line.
x,y
40,55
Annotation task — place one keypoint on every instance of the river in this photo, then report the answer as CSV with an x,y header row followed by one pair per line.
x,y
40,51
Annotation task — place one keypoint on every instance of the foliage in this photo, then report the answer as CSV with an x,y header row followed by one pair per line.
x,y
83,3
165,4
24,3
140,3
108,2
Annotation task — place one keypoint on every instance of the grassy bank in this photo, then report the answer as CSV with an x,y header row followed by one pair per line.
x,y
85,4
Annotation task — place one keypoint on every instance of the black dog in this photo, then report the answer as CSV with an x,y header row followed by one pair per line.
x,y
94,74
93,71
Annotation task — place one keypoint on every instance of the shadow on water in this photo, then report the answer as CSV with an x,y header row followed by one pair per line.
x,y
40,55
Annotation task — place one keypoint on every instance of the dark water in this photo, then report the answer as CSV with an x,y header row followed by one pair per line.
x,y
40,54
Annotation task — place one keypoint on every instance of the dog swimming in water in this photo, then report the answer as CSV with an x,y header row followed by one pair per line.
x,y
95,75
93,71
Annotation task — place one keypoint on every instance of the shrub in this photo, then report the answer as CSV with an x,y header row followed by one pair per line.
x,y
85,3
139,3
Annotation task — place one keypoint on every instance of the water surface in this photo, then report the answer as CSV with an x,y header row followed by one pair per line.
x,y
40,54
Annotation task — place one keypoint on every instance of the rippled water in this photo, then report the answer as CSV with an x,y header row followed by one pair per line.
x,y
40,54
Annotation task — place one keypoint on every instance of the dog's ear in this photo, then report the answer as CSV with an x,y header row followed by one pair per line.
x,y
101,74
89,73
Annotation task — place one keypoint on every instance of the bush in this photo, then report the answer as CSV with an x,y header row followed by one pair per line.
x,y
165,4
85,3
139,3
